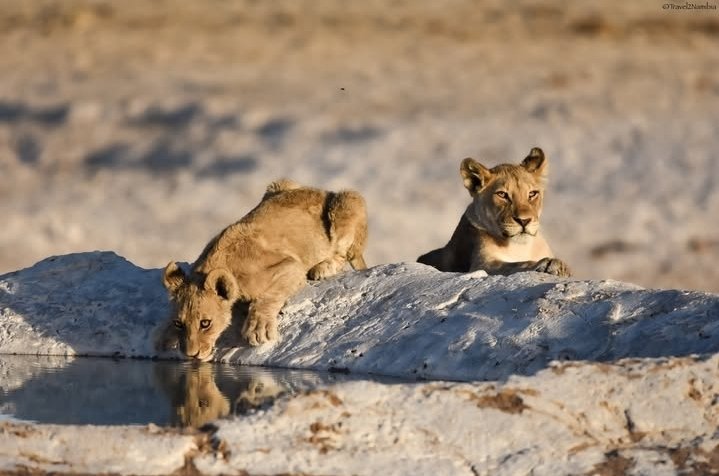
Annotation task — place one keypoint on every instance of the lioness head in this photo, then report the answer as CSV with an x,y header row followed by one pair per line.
x,y
201,307
507,199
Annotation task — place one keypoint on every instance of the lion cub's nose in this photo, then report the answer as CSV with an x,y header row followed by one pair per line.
x,y
522,221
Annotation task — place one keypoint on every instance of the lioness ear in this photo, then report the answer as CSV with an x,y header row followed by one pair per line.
x,y
173,277
535,162
474,175
223,283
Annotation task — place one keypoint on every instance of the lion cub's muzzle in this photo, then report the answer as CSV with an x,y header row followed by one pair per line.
x,y
202,356
196,351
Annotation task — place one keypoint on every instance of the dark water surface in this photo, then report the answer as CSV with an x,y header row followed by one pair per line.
x,y
103,391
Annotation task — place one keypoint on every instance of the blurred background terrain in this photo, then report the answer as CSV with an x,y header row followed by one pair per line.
x,y
146,127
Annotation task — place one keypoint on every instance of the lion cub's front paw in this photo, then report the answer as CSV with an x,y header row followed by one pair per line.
x,y
257,331
553,266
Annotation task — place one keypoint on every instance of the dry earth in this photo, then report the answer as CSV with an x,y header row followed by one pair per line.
x,y
145,127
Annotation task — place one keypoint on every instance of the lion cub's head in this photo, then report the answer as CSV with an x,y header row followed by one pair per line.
x,y
200,401
201,307
507,199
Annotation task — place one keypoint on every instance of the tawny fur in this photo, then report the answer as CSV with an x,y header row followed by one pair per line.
x,y
499,231
197,399
294,233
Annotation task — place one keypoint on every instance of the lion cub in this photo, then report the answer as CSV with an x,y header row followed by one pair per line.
x,y
294,233
499,231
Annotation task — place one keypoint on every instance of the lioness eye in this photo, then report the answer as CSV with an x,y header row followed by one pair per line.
x,y
205,323
502,194
178,323
533,193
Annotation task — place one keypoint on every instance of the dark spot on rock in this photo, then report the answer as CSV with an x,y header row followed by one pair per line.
x,y
338,370
11,111
163,158
611,247
274,131
108,157
226,166
28,149
352,134
591,25
702,245
50,116
168,117
507,401
614,465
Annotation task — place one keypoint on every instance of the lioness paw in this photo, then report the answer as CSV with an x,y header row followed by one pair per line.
x,y
259,331
553,266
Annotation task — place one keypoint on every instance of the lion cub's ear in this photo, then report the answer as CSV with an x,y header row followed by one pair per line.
x,y
173,277
474,175
222,283
535,162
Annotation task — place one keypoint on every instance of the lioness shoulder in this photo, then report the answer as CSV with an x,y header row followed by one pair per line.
x,y
499,231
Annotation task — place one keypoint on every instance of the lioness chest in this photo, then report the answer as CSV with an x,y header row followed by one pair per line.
x,y
514,251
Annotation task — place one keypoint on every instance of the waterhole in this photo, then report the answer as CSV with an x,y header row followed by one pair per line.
x,y
102,391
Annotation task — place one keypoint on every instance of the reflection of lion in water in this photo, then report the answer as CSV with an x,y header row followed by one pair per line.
x,y
499,231
196,398
294,233
203,401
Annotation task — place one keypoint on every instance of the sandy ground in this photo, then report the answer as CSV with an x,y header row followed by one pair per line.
x,y
146,127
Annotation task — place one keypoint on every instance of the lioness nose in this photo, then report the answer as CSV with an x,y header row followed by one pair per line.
x,y
522,221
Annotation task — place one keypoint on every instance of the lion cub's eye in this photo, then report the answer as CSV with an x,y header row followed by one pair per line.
x,y
205,323
178,323
533,194
503,195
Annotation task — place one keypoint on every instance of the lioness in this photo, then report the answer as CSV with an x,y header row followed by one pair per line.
x,y
294,233
499,231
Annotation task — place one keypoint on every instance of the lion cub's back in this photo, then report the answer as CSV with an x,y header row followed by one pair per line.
x,y
292,223
302,206
282,221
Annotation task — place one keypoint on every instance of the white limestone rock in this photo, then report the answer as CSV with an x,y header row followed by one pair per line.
x,y
404,319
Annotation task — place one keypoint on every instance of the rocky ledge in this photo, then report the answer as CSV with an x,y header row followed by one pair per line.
x,y
594,377
405,319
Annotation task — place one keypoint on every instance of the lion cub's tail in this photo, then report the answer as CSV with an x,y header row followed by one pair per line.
x,y
278,186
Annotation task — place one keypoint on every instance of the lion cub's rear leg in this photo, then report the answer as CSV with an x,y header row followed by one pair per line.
x,y
287,277
346,215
